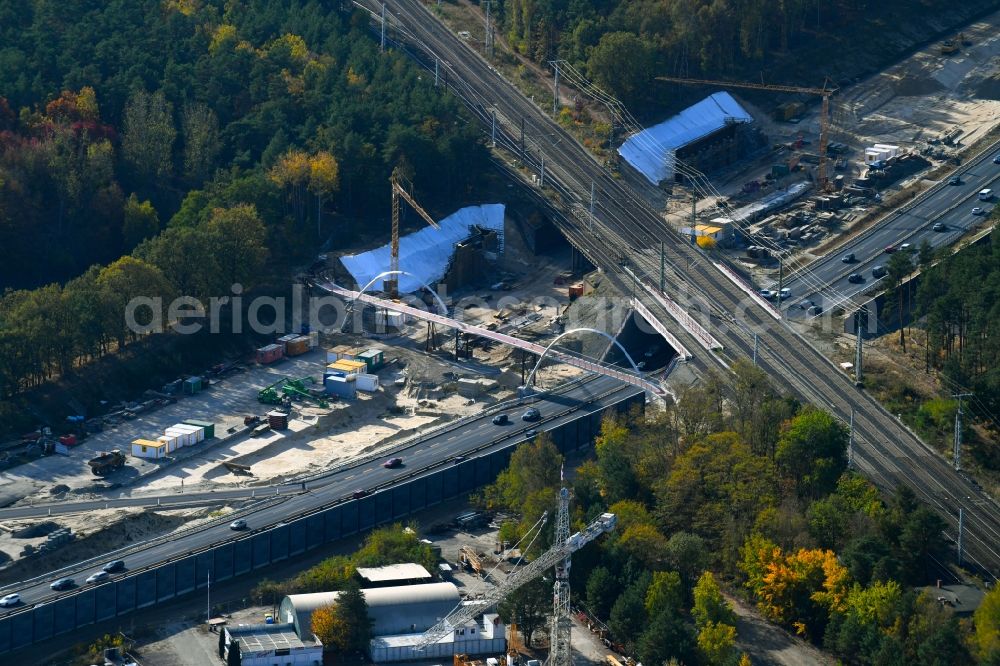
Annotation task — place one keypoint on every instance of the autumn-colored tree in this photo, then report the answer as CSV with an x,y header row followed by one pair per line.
x,y
293,172
987,621
709,604
645,543
798,590
140,221
665,594
324,179
717,643
238,240
534,466
345,624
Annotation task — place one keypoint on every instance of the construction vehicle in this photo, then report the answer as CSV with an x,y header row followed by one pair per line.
x,y
557,556
107,462
824,119
282,391
949,47
400,189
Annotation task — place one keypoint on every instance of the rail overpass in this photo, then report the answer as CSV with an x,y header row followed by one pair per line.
x,y
560,355
617,229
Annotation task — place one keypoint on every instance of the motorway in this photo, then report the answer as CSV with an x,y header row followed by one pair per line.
x,y
625,230
474,437
825,280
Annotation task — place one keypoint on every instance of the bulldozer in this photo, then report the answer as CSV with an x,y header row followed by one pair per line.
x,y
107,462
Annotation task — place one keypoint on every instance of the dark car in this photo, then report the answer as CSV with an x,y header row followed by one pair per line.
x,y
848,258
996,159
501,419
530,433
358,494
939,226
392,463
458,459
531,414
63,584
114,567
955,180
879,271
855,278
889,249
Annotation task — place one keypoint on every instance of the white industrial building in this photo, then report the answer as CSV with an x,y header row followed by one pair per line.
x,y
272,645
400,615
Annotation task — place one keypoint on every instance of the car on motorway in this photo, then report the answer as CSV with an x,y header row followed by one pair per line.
x,y
889,249
98,577
766,293
785,293
955,180
238,524
458,459
855,278
806,304
10,600
996,159
501,419
115,566
848,258
392,463
906,247
986,194
529,434
358,494
62,584
879,271
939,226
814,311
977,211
531,414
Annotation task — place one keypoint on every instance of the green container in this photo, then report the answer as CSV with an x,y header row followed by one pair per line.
x,y
192,385
207,425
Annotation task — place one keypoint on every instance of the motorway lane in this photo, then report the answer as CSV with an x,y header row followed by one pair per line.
x,y
825,280
422,458
626,229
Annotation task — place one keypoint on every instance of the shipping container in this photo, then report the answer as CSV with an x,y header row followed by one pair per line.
x,y
366,382
297,346
348,367
342,387
341,352
284,340
207,426
270,354
197,432
184,437
389,318
375,358
192,385
171,443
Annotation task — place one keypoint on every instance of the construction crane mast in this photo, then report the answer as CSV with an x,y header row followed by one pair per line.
x,y
557,555
559,641
401,187
824,120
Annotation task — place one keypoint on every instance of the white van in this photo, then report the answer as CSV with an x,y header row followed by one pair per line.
x,y
985,195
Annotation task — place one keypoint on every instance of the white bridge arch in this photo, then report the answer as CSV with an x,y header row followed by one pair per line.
x,y
531,377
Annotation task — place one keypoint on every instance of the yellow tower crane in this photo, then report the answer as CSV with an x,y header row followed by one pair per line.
x,y
824,120
401,187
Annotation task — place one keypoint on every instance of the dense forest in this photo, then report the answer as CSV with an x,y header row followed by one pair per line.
x,y
959,300
163,147
737,486
624,44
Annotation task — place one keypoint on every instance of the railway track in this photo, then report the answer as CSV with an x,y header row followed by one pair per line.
x,y
625,230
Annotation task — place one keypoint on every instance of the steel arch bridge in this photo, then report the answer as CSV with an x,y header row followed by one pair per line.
x,y
561,355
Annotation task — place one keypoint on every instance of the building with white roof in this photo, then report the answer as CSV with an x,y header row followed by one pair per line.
x,y
653,151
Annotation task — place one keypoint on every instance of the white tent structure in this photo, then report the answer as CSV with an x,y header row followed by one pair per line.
x,y
652,151
426,253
